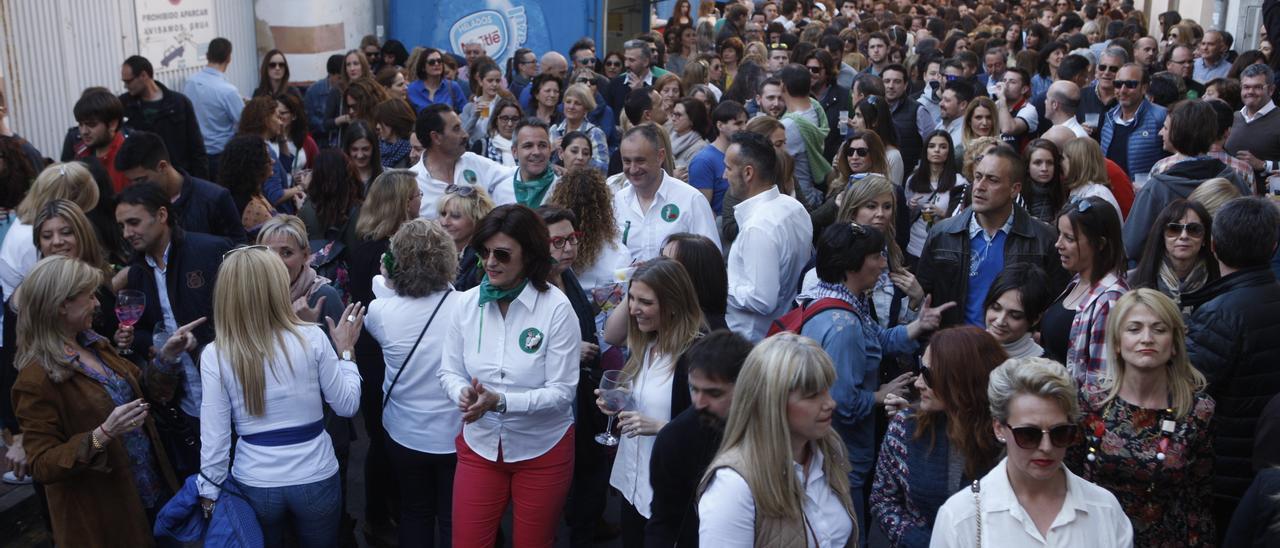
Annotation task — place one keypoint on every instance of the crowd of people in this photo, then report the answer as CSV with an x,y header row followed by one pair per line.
x,y
795,273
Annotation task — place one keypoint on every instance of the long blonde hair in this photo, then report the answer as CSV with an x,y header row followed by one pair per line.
x,y
86,239
1086,164
681,317
857,195
1184,380
67,181
758,430
386,206
251,314
54,281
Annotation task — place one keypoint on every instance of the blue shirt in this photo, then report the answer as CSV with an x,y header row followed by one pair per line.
x,y
190,403
316,103
706,172
218,105
1202,72
449,93
986,260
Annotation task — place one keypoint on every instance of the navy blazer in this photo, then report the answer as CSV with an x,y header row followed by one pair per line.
x,y
189,278
208,209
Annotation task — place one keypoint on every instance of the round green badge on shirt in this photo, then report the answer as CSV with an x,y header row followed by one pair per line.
x,y
670,213
469,176
530,340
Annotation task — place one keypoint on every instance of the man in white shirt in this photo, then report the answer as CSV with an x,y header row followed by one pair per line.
x,y
1018,118
654,205
1060,105
446,161
774,239
956,95
534,179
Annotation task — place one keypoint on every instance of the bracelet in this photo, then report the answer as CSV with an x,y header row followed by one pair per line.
x,y
93,439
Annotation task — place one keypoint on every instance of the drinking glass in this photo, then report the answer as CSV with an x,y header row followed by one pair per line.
x,y
129,306
615,390
159,336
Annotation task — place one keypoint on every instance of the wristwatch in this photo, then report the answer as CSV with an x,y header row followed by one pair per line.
x,y
346,356
502,404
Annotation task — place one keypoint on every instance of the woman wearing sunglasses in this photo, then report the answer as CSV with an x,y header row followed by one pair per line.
x,y
273,76
1146,426
1030,498
511,366
1177,259
1089,247
432,85
951,423
872,114
613,65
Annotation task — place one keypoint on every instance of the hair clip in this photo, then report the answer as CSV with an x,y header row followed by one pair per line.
x,y
858,230
389,262
62,170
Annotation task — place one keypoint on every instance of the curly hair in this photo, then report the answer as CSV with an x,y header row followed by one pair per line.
x,y
367,93
425,259
18,172
334,189
583,191
257,116
244,166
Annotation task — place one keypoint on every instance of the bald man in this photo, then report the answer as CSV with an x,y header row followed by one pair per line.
x,y
550,63
1060,104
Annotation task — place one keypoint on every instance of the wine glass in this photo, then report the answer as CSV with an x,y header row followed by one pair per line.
x,y
615,390
129,306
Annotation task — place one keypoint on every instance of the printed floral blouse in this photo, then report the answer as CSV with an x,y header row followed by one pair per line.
x,y
1159,466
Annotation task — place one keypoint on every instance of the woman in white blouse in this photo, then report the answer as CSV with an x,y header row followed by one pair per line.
x,y
1031,498
409,319
511,365
663,321
284,462
1085,172
781,476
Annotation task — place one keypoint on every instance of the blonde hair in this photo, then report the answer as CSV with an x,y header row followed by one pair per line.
x,y
86,239
251,313
974,149
857,195
678,308
475,206
67,181
1184,380
289,226
425,259
386,206
1034,376
54,281
583,94
1214,193
758,430
1086,164
696,71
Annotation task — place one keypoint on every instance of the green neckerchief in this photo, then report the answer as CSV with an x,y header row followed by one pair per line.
x,y
530,193
490,292
814,139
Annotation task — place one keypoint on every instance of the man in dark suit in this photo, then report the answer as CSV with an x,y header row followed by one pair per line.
x,y
200,205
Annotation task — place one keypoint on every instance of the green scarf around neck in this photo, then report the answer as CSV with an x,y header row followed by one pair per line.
x,y
531,193
814,139
490,293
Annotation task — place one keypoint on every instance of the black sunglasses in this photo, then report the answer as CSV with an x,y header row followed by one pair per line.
x,y
503,256
613,63
1108,68
277,65
861,152
1029,437
1121,84
924,372
1174,230
435,61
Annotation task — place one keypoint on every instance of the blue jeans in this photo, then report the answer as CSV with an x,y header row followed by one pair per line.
x,y
312,510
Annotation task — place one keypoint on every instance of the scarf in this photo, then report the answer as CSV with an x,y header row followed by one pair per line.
x,y
870,328
490,293
814,139
1174,287
1025,347
530,193
306,284
682,147
498,149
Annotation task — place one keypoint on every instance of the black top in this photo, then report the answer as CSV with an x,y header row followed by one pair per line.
x,y
1055,330
681,453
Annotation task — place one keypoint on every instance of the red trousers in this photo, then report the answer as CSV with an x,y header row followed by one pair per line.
x,y
536,487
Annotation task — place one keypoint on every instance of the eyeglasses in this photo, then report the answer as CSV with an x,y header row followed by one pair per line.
x,y
276,65
587,81
861,152
1174,230
464,191
1029,437
433,61
572,239
1121,84
242,248
613,63
527,62
1108,68
508,119
503,256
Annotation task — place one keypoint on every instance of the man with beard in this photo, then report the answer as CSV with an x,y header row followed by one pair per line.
x,y
100,117
768,101
686,445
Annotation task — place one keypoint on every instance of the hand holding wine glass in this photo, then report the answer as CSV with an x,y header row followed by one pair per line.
x,y
614,397
130,303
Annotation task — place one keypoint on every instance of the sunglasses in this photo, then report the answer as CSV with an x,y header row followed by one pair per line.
x,y
1174,230
1108,68
1029,437
572,239
461,190
435,61
587,81
924,372
1082,204
503,256
275,65
586,61
1121,84
613,63
242,248
861,152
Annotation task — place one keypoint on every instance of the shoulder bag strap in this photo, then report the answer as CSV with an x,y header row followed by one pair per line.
x,y
405,364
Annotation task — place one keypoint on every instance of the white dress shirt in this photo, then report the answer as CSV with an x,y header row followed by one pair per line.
x,y
766,261
530,356
1095,189
676,207
18,255
471,169
613,257
651,397
298,374
727,509
1075,126
419,415
1090,516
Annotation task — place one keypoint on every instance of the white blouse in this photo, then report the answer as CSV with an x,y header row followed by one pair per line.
x,y
419,414
300,372
727,510
530,356
651,396
612,257
1094,189
1090,516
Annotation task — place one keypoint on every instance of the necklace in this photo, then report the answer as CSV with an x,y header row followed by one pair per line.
x,y
1167,428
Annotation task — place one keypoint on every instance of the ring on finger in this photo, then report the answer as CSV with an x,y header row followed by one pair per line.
x,y
351,318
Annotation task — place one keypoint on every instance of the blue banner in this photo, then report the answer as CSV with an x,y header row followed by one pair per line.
x,y
501,26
